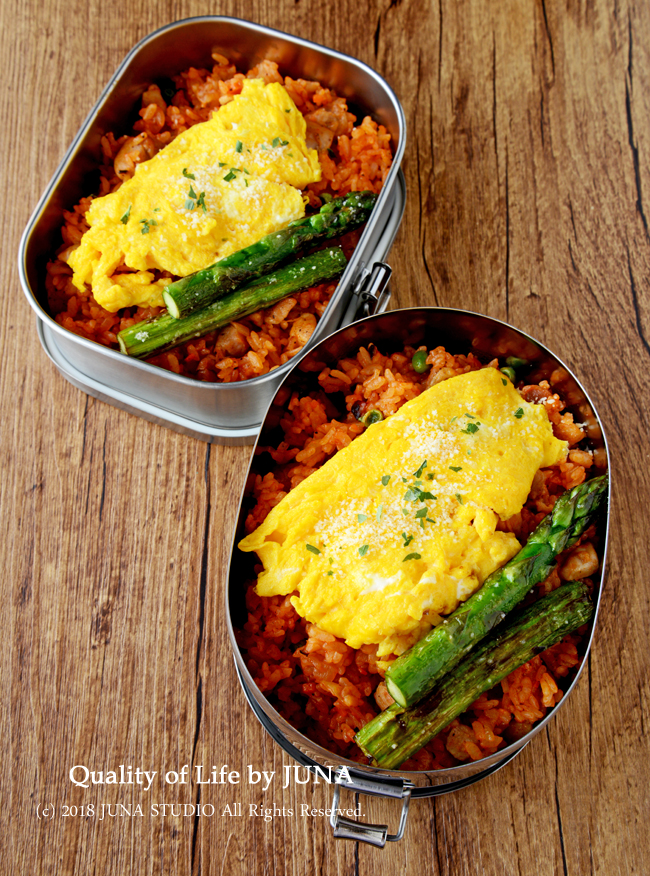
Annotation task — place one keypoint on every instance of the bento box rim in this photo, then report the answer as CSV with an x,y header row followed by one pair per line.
x,y
247,682
391,180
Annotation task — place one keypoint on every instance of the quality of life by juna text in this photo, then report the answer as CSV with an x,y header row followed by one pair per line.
x,y
83,777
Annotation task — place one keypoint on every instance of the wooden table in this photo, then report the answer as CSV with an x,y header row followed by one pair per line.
x,y
528,179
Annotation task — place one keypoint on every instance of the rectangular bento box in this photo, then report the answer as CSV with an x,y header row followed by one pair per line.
x,y
228,413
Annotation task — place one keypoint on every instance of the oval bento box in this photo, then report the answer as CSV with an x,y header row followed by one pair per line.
x,y
459,332
223,413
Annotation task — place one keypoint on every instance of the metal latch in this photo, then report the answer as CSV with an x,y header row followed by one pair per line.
x,y
371,293
374,834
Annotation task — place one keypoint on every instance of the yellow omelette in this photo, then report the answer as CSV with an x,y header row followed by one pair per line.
x,y
400,526
218,187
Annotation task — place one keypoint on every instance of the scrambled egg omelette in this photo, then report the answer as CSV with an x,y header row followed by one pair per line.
x,y
217,188
400,526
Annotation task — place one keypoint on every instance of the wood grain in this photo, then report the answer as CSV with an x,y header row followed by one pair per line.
x,y
528,174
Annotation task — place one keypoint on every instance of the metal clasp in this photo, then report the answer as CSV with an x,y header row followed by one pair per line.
x,y
371,293
373,834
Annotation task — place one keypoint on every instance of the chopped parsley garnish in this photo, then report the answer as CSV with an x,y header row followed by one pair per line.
x,y
276,141
229,176
421,513
471,416
310,547
411,557
380,510
246,183
418,473
384,480
239,146
430,476
519,413
200,202
287,111
471,428
146,225
362,518
414,494
407,539
363,550
222,164
405,512
330,573
125,218
459,497
455,468
188,175
191,201
504,381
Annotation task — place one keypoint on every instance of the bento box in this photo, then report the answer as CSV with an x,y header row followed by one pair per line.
x,y
459,332
217,412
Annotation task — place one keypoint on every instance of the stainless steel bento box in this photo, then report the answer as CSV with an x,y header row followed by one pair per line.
x,y
223,413
459,332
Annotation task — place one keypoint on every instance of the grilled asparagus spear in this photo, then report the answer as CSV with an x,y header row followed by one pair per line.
x,y
147,338
413,674
397,733
203,287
